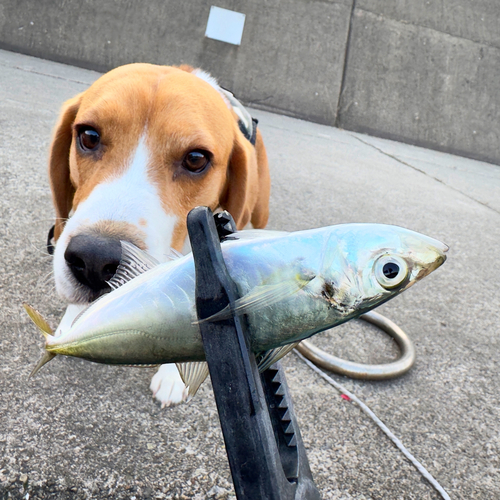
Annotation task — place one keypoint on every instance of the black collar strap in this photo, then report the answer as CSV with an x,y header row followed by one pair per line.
x,y
247,124
50,241
245,131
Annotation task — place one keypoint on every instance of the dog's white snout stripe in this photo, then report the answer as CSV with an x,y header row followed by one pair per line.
x,y
130,197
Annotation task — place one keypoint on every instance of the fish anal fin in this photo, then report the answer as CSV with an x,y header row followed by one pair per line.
x,y
270,357
193,374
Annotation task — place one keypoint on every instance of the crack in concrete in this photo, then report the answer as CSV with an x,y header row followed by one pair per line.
x,y
34,72
261,100
416,25
338,111
426,174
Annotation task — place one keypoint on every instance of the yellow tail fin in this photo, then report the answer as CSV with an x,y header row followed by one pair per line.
x,y
39,321
45,359
47,332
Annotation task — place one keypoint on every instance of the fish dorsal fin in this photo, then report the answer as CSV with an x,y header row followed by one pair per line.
x,y
262,296
193,374
133,263
172,255
80,314
270,357
257,234
84,310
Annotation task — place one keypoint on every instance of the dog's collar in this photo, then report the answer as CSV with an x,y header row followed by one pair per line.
x,y
247,124
50,241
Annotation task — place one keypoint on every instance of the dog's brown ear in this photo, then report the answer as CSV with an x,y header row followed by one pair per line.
x,y
246,196
60,183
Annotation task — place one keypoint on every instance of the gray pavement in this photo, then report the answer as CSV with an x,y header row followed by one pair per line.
x,y
81,430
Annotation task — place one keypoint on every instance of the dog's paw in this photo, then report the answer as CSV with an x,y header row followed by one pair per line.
x,y
168,387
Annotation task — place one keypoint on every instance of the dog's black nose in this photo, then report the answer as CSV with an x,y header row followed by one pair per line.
x,y
93,260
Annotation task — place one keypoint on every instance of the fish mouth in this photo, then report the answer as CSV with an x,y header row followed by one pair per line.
x,y
439,261
443,250
435,244
435,256
429,252
427,268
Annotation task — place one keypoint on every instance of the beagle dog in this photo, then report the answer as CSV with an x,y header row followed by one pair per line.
x,y
130,157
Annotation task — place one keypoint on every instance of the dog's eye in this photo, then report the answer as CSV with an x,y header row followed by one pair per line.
x,y
89,139
196,161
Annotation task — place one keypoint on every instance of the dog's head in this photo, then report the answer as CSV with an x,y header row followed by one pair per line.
x,y
131,156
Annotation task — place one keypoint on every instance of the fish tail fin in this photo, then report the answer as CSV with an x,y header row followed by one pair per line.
x,y
47,332
43,360
39,321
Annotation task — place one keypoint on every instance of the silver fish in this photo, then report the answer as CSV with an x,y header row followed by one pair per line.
x,y
292,286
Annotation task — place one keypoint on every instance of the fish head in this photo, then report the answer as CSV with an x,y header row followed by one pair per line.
x,y
371,263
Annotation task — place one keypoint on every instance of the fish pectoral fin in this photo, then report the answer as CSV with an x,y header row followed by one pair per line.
x,y
270,357
261,296
39,321
193,374
133,263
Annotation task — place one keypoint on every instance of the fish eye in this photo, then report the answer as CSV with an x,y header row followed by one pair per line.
x,y
391,271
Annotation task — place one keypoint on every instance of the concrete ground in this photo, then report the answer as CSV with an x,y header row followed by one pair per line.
x,y
81,430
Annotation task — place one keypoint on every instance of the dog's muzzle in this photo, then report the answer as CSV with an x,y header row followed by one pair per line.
x,y
93,260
